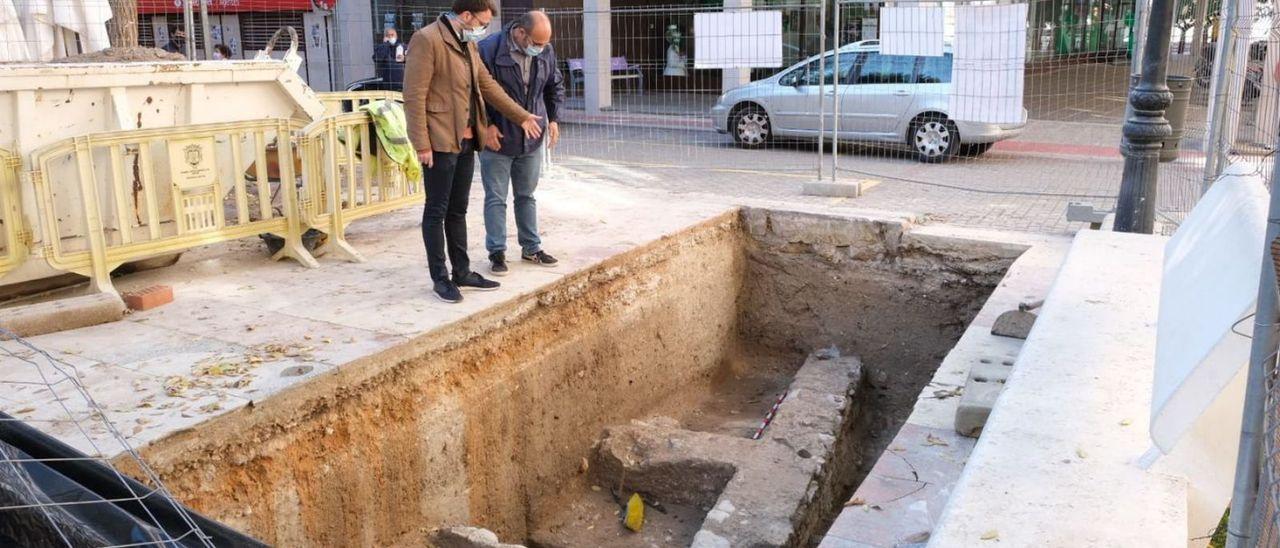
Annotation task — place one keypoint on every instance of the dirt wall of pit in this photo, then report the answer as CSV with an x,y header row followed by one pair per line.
x,y
473,422
896,299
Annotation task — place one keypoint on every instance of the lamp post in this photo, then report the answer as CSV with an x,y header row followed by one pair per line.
x,y
1145,126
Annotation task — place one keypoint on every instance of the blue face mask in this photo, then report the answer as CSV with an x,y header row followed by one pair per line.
x,y
533,51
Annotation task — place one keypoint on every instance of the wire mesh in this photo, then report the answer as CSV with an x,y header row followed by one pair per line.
x,y
655,122
664,122
39,506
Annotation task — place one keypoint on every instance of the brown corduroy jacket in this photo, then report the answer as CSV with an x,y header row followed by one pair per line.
x,y
436,102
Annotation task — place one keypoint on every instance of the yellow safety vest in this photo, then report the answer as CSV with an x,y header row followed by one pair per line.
x,y
393,133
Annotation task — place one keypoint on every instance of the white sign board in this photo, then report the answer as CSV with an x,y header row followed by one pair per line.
x,y
744,39
1207,293
989,65
911,31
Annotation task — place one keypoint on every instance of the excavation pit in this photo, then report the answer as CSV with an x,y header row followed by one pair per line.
x,y
497,420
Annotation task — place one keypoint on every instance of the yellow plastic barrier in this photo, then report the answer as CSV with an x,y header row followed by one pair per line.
x,y
334,101
129,195
348,177
14,236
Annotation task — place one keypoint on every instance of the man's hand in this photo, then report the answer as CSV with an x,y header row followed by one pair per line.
x,y
553,134
493,139
531,127
424,156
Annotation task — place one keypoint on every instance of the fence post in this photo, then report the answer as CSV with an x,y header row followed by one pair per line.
x,y
822,81
205,32
835,92
1261,354
189,28
1145,126
597,72
741,76
1221,127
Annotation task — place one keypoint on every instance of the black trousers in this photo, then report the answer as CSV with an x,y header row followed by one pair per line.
x,y
444,218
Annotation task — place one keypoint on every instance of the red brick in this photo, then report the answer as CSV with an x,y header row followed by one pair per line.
x,y
151,297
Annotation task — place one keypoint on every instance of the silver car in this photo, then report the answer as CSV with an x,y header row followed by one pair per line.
x,y
884,98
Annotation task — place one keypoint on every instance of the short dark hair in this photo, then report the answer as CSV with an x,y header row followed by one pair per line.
x,y
525,21
473,6
223,49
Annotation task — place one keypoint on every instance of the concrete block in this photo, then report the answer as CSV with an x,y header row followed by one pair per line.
x,y
756,489
62,314
986,380
852,189
151,297
467,537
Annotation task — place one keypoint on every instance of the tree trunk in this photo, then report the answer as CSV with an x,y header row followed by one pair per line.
x,y
122,29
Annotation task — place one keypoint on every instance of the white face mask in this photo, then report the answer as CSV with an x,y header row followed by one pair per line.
x,y
470,34
218,56
389,40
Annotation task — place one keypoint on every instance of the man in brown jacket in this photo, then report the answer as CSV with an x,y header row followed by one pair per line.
x,y
445,89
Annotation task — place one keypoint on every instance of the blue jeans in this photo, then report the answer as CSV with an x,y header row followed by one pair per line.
x,y
499,173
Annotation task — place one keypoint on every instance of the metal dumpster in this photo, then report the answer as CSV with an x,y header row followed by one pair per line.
x,y
44,104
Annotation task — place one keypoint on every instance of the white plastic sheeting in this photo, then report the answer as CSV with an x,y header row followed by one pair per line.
x,y
1209,288
40,30
737,39
912,30
13,41
990,59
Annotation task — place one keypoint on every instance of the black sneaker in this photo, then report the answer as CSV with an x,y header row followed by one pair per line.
x,y
541,258
448,292
498,264
475,281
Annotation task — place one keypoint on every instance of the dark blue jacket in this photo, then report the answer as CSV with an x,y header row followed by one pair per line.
x,y
544,96
386,66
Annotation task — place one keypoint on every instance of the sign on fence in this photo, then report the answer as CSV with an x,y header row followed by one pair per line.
x,y
990,63
912,31
191,162
737,40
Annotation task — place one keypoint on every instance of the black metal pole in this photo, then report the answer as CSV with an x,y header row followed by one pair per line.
x,y
1145,127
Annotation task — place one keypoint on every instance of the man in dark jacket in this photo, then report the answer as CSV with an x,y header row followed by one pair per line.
x,y
177,42
388,61
524,64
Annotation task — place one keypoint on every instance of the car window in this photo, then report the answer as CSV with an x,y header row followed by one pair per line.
x,y
808,74
935,70
887,69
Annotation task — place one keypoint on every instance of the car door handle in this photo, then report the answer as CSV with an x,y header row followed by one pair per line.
x,y
902,93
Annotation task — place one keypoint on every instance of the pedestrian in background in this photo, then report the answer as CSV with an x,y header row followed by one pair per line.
x,y
523,62
445,93
388,60
221,52
177,42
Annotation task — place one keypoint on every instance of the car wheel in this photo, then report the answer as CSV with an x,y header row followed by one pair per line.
x,y
751,127
934,138
975,149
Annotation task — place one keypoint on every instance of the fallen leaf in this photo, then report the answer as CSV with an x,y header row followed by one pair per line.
x,y
855,501
1125,422
1080,453
991,535
934,440
176,386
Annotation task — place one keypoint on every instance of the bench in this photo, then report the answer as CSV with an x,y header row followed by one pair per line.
x,y
619,69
